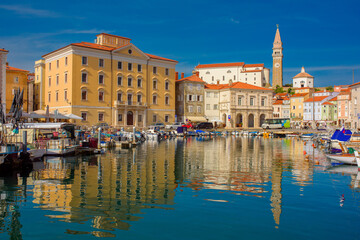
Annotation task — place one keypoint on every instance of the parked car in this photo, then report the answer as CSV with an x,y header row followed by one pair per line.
x,y
204,125
188,125
157,126
175,125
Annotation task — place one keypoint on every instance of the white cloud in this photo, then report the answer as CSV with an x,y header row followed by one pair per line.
x,y
234,21
27,10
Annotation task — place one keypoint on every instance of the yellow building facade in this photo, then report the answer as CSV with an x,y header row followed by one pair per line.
x,y
297,102
16,79
110,81
39,94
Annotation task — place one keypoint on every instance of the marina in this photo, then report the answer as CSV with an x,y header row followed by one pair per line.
x,y
209,187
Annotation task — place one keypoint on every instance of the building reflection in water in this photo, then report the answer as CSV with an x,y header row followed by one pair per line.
x,y
108,190
111,190
243,166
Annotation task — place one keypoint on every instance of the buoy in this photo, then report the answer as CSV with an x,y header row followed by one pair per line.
x,y
317,162
304,152
307,158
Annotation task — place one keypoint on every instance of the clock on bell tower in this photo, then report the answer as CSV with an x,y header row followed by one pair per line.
x,y
277,77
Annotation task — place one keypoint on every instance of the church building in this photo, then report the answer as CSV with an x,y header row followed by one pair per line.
x,y
277,76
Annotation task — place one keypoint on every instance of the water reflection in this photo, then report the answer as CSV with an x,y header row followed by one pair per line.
x,y
110,191
107,190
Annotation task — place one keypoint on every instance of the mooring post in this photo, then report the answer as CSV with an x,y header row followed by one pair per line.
x,y
134,131
25,141
99,138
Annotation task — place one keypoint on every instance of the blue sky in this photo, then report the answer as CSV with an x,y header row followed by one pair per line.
x,y
323,36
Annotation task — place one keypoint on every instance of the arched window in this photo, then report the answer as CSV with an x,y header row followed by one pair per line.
x,y
154,99
83,94
101,95
167,100
167,84
154,84
101,78
119,96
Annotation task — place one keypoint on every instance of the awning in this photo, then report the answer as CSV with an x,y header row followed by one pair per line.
x,y
196,119
33,115
58,116
73,116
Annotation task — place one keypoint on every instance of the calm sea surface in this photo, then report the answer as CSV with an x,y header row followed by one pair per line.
x,y
196,188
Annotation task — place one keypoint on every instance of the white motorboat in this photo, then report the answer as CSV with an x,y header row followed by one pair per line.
x,y
343,158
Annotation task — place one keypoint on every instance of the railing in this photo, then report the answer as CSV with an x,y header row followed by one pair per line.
x,y
128,103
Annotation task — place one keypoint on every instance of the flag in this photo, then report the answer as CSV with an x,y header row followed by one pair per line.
x,y
13,105
343,131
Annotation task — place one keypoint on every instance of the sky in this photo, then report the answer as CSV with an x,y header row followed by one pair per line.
x,y
322,36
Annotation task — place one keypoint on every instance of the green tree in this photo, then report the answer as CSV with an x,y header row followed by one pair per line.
x,y
330,88
279,89
290,91
317,90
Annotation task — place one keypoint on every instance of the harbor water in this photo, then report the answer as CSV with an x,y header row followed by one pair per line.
x,y
186,188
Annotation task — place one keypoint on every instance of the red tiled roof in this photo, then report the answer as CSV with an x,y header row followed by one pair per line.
x,y
215,65
238,85
215,86
8,68
316,99
278,102
192,78
327,103
303,74
333,99
3,50
354,84
299,95
93,45
160,58
247,86
254,65
112,35
281,94
286,98
106,48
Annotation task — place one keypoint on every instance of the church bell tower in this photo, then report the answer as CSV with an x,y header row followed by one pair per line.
x,y
277,76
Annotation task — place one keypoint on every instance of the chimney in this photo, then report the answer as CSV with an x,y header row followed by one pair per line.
x,y
7,63
176,75
182,75
196,73
218,82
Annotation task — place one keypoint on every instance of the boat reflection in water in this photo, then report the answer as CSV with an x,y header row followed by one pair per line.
x,y
122,189
108,189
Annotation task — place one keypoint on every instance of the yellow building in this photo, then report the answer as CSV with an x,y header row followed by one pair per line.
x,y
39,94
3,58
109,81
297,102
16,79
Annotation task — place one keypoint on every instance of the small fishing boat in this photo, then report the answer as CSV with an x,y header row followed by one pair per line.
x,y
307,135
343,158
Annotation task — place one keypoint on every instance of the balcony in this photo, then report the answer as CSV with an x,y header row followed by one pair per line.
x,y
128,103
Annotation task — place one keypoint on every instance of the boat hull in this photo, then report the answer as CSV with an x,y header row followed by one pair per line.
x,y
343,158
